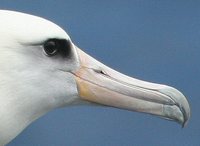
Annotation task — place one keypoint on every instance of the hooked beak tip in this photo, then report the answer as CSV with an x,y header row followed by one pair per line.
x,y
182,113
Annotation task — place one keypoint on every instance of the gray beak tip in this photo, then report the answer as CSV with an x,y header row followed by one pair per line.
x,y
181,108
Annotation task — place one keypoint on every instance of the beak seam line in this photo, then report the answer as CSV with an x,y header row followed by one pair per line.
x,y
154,101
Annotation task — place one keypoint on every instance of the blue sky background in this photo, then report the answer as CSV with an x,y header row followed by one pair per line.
x,y
157,41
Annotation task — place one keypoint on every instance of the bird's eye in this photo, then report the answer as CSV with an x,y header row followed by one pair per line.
x,y
51,48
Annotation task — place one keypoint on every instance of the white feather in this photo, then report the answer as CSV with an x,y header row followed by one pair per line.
x,y
31,84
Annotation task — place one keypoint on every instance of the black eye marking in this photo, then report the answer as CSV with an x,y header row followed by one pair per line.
x,y
54,47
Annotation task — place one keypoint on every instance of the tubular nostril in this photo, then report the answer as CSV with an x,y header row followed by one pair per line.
x,y
103,72
100,71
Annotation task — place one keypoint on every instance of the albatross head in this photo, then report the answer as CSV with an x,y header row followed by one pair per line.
x,y
41,69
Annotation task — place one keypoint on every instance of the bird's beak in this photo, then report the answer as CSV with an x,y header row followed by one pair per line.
x,y
100,84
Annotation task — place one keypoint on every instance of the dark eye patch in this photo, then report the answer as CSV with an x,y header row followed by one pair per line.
x,y
53,47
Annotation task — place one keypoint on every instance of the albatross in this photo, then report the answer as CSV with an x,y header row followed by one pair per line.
x,y
41,69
